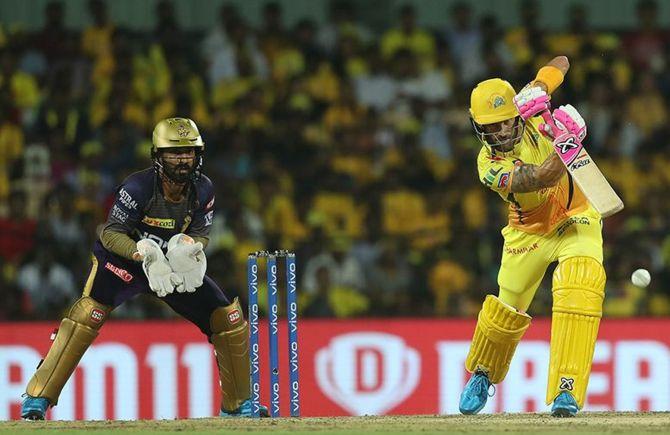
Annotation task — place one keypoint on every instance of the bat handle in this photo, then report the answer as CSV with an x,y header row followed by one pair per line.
x,y
548,128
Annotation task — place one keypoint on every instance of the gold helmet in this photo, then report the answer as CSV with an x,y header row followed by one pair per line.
x,y
174,133
492,101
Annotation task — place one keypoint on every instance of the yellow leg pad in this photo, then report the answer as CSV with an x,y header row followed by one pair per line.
x,y
231,344
579,290
75,334
499,330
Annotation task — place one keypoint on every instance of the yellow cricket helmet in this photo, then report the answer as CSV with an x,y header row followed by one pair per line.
x,y
492,101
176,133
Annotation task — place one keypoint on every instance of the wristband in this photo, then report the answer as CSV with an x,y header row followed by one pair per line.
x,y
550,76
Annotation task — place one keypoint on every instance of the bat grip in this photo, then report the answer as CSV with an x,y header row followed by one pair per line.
x,y
548,128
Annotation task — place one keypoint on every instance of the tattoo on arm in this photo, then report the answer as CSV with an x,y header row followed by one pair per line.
x,y
525,179
529,178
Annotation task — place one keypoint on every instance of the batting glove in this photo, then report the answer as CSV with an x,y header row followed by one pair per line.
x,y
531,101
563,120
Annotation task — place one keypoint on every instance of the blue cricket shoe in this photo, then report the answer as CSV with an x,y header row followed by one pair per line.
x,y
244,411
34,408
564,405
476,393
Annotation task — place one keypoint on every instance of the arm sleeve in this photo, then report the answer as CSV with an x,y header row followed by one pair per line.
x,y
496,173
118,243
203,240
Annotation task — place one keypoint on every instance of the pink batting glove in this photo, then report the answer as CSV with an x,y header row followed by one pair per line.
x,y
565,119
549,128
571,120
531,101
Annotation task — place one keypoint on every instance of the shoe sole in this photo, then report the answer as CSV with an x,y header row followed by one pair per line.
x,y
32,417
562,413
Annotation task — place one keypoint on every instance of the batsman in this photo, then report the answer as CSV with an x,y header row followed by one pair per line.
x,y
153,243
549,220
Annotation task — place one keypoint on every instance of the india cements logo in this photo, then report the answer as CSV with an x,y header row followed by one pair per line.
x,y
367,373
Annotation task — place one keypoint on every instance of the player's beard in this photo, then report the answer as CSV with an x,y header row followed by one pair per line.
x,y
179,173
508,144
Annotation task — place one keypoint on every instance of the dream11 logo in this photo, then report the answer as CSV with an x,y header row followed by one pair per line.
x,y
367,373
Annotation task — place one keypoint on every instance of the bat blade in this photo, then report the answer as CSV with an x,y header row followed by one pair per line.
x,y
587,176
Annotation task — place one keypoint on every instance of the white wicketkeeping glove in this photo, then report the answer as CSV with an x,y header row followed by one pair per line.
x,y
187,260
162,280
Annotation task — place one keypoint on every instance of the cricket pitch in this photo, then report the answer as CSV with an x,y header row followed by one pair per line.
x,y
589,423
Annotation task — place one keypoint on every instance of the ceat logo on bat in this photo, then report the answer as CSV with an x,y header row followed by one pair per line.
x,y
367,372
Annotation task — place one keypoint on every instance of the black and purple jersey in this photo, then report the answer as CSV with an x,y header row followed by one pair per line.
x,y
141,211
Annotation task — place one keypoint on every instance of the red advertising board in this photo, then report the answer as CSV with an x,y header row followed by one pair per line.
x,y
153,370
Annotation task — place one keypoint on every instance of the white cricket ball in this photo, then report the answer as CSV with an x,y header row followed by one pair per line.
x,y
641,277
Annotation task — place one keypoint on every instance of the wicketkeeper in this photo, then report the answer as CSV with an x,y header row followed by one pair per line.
x,y
153,242
549,220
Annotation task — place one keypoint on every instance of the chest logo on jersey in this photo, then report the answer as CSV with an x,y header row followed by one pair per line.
x,y
167,224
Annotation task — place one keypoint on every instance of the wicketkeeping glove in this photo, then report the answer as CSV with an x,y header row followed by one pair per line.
x,y
162,280
188,261
531,101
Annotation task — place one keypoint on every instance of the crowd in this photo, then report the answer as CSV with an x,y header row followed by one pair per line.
x,y
352,147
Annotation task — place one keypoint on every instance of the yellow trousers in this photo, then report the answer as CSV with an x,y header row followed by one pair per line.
x,y
525,257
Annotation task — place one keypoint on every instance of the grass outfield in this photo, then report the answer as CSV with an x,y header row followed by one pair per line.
x,y
591,423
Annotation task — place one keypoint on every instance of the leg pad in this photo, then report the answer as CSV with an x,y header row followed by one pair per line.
x,y
499,330
230,338
75,334
579,291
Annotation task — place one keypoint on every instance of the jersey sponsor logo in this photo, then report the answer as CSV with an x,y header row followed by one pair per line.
x,y
127,200
146,235
210,204
503,180
97,315
234,316
121,273
523,250
209,217
119,214
581,220
158,222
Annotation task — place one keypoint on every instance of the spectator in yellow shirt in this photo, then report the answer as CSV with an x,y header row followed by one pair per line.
x,y
409,36
96,40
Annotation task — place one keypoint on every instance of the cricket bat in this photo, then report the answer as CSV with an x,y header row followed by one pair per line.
x,y
586,173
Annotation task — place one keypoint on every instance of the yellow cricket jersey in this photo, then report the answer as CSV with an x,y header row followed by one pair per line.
x,y
536,212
